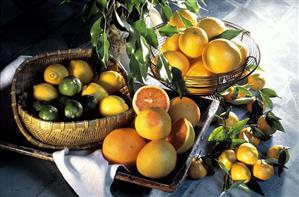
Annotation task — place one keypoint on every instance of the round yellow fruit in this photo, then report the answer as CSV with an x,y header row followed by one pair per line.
x,y
247,133
112,105
96,90
228,94
153,123
193,41
157,159
256,81
171,44
262,170
240,172
82,70
247,153
175,19
221,56
197,69
274,151
264,126
111,81
212,26
249,106
243,50
230,121
227,158
44,92
55,73
178,60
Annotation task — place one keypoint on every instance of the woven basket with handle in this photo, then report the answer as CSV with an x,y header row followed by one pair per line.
x,y
57,135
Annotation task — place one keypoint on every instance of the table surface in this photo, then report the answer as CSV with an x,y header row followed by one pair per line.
x,y
273,24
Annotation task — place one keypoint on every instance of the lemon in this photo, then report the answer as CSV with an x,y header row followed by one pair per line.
x,y
96,90
82,70
55,73
112,81
44,92
112,105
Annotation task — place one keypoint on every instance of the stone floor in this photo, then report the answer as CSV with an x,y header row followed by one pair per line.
x,y
27,30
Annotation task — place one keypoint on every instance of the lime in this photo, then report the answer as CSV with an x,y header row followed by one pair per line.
x,y
89,102
70,86
48,112
73,109
37,105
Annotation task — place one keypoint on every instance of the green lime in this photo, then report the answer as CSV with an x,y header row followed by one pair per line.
x,y
48,112
89,102
37,105
70,86
73,109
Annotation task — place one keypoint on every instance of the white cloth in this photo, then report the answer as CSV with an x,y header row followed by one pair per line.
x,y
87,173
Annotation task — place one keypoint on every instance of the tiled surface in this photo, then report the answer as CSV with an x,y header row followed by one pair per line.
x,y
273,23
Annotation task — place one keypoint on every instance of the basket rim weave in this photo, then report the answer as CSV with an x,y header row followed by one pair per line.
x,y
30,138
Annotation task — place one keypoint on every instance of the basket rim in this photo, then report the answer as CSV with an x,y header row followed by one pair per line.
x,y
15,106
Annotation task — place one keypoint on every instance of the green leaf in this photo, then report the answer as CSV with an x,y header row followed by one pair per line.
x,y
269,92
274,121
282,161
131,45
242,101
220,146
272,161
163,63
192,5
254,186
144,48
101,4
218,134
259,134
135,69
237,142
250,67
229,34
166,12
178,81
151,37
168,30
236,128
131,84
90,9
244,187
186,22
95,32
140,27
268,101
104,48
235,184
244,91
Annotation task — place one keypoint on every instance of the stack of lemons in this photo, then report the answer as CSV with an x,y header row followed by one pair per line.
x,y
195,50
77,89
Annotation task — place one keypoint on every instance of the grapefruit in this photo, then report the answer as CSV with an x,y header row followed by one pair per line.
x,y
175,19
178,60
153,123
157,159
149,97
184,108
182,135
197,69
171,43
122,146
212,26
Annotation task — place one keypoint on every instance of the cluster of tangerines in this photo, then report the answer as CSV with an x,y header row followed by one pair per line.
x,y
196,51
162,129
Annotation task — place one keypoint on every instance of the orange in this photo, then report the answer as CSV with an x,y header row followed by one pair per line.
x,y
249,106
230,121
274,151
212,26
193,41
256,81
55,73
243,50
122,146
221,56
157,159
153,123
171,43
149,97
240,172
178,60
262,170
182,135
227,158
197,69
264,126
184,108
247,133
228,94
247,153
175,19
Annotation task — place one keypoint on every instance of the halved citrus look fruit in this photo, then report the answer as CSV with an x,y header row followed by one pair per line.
x,y
149,97
153,124
182,135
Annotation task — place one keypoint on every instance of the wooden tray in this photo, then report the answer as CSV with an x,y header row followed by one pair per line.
x,y
208,108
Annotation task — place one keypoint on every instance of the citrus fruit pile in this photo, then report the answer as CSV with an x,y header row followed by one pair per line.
x,y
68,93
196,50
162,129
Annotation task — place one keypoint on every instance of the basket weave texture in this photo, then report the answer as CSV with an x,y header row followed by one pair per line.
x,y
57,135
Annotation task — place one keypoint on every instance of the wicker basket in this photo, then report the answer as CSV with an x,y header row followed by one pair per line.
x,y
214,84
57,135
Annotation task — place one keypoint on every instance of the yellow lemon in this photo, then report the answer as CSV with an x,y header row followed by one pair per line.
x,y
171,43
221,56
178,60
193,41
55,73
112,81
44,92
175,19
82,70
112,105
212,26
243,50
96,90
